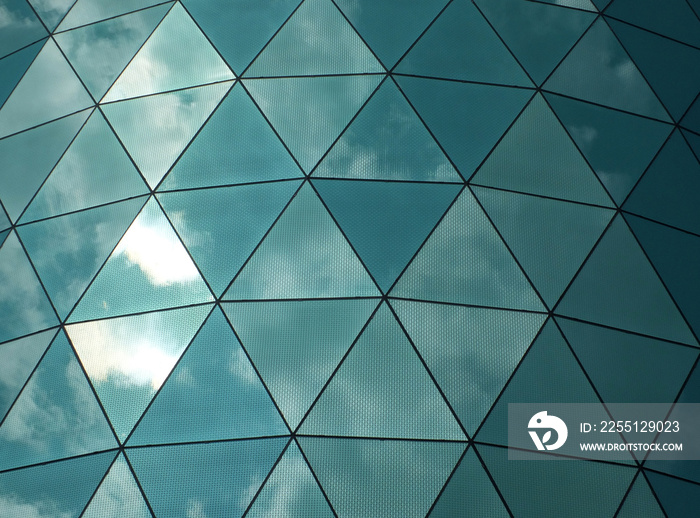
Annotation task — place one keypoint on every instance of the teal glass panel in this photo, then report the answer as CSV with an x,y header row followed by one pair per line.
x,y
240,28
149,269
548,373
3,235
213,393
51,11
23,303
67,251
90,11
577,4
164,122
198,218
13,67
49,90
299,49
674,18
599,70
539,35
570,485
100,52
670,67
382,390
323,107
18,360
4,224
691,120
379,478
621,365
371,19
81,180
118,495
550,238
618,145
601,4
640,501
291,490
56,415
177,55
58,489
126,373
469,492
671,252
537,156
618,287
23,170
20,28
669,191
460,347
464,261
678,497
387,141
303,256
237,145
218,479
467,119
694,141
297,345
462,45
386,222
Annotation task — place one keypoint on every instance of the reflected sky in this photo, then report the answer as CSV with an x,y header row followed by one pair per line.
x,y
118,495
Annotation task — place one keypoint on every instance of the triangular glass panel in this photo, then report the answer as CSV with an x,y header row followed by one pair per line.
x,y
537,381
197,216
165,122
386,222
618,287
469,492
84,12
100,52
18,360
619,364
669,191
240,28
464,261
3,235
322,108
23,303
49,90
467,119
215,479
387,141
213,393
550,238
382,390
81,180
674,18
360,475
298,51
694,141
303,256
58,489
4,224
569,484
371,19
56,415
640,501
617,145
149,269
586,5
68,251
177,55
460,347
13,67
291,490
127,372
297,345
23,170
672,253
599,70
51,11
601,4
237,145
462,45
539,35
20,28
679,498
691,119
537,156
118,495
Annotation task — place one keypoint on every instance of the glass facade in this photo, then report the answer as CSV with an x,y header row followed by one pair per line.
x,y
295,258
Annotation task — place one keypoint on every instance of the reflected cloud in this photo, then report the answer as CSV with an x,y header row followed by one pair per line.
x,y
195,508
118,495
10,19
12,506
240,367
